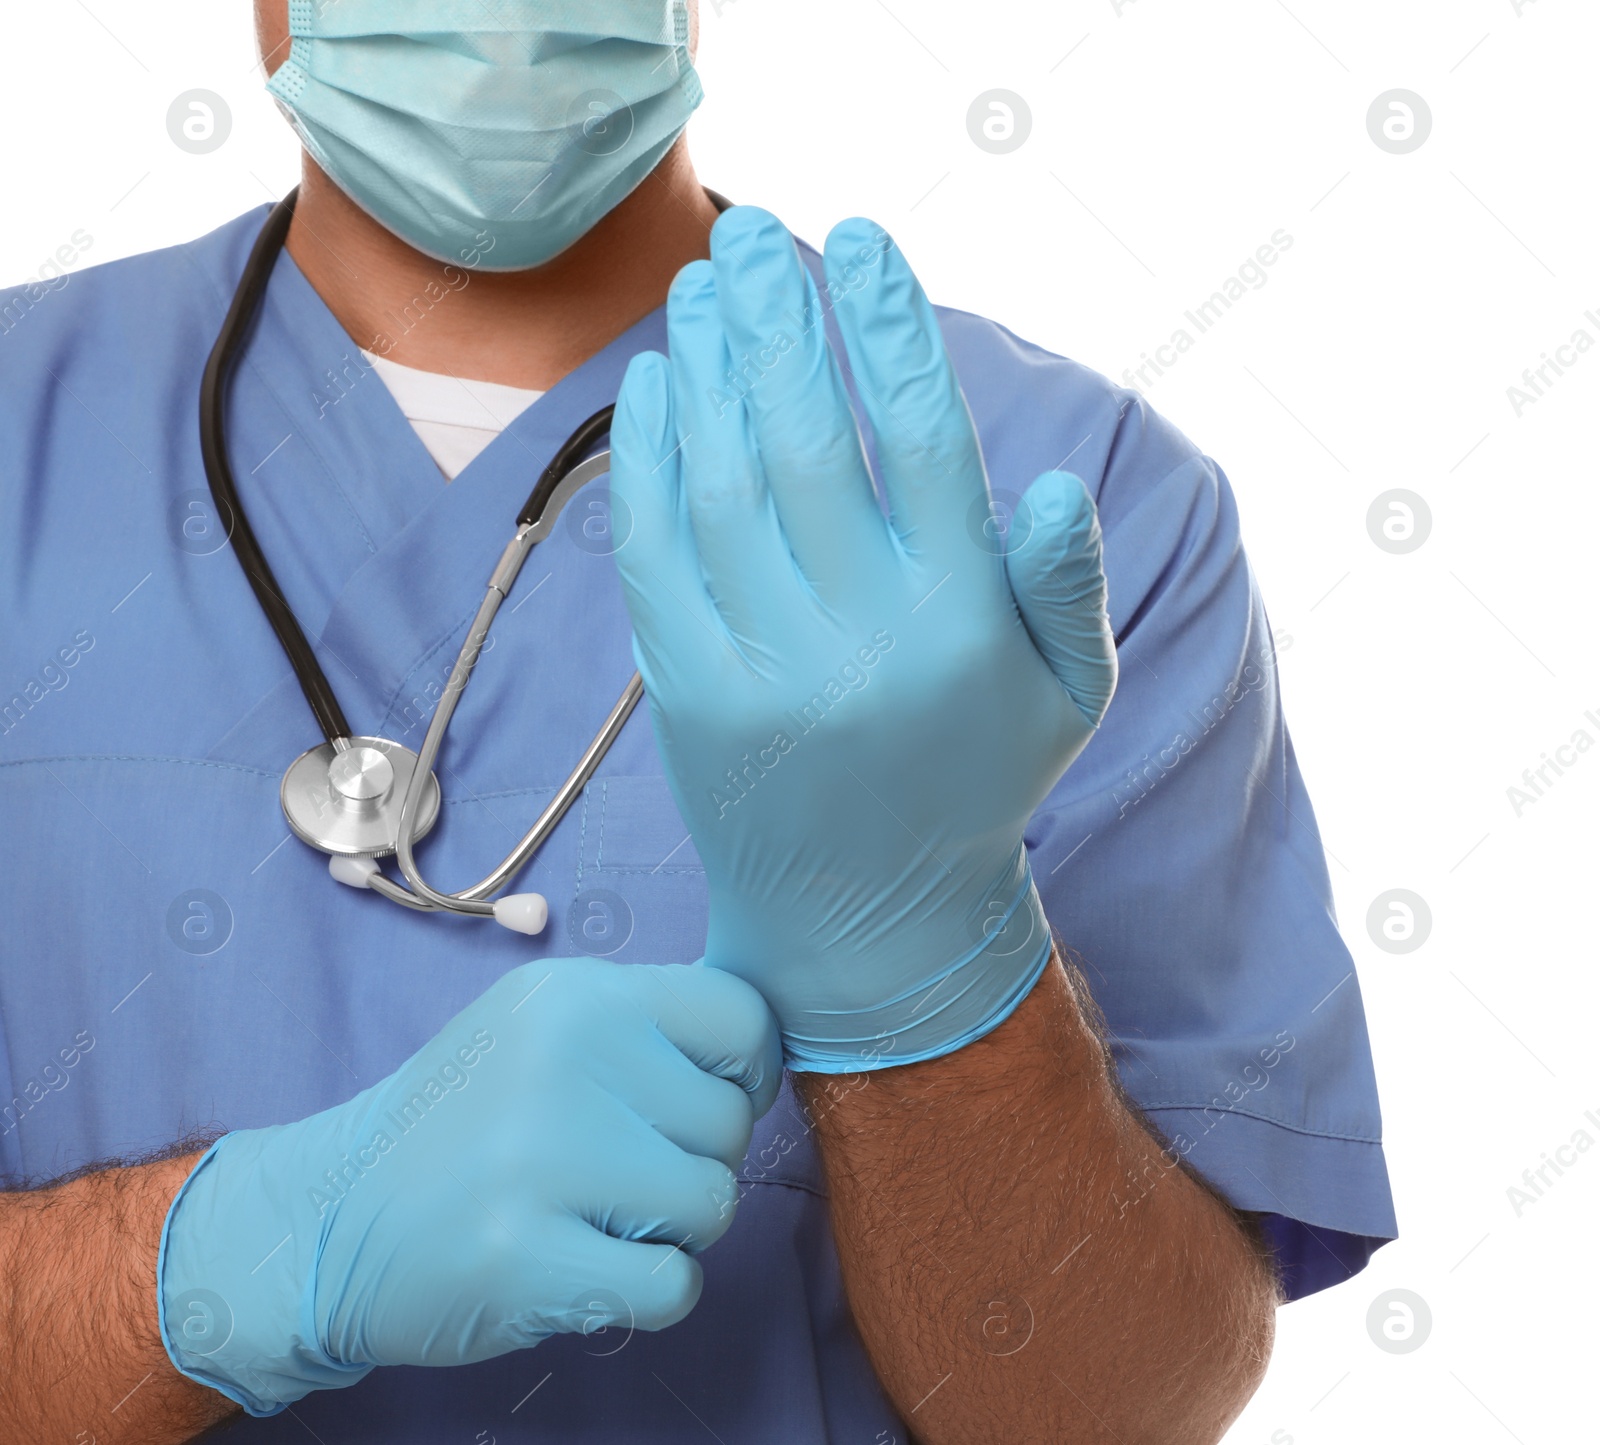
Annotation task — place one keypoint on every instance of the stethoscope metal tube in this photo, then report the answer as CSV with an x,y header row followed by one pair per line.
x,y
358,798
529,534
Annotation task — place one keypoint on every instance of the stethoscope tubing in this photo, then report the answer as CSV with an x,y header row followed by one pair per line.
x,y
319,694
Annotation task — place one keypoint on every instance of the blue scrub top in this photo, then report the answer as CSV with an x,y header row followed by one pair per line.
x,y
174,961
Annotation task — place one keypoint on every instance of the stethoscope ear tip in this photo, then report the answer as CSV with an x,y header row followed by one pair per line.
x,y
352,872
522,912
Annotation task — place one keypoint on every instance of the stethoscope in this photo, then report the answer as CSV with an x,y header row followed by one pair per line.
x,y
360,798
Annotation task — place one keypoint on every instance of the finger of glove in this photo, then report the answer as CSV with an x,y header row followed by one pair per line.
x,y
799,412
694,1110
658,563
630,1286
743,553
719,1023
1059,583
685,1104
928,452
638,1185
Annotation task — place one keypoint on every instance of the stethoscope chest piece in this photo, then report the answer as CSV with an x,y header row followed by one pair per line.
x,y
345,798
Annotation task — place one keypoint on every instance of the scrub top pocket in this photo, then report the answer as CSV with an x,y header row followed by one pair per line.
x,y
640,890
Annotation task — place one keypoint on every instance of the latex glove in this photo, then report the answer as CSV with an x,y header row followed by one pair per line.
x,y
551,1161
858,713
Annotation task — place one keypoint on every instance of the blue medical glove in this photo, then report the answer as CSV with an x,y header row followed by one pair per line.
x,y
551,1161
858,713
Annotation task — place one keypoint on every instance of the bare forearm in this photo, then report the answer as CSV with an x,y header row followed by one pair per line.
x,y
1023,1261
80,1350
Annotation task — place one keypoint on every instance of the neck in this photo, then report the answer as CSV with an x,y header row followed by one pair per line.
x,y
520,328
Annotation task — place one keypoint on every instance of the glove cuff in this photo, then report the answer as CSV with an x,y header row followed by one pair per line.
x,y
242,1326
951,1007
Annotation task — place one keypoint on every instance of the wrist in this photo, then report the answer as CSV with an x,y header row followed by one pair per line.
x,y
1001,944
235,1276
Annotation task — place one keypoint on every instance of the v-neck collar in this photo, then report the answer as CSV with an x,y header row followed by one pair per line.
x,y
345,486
384,562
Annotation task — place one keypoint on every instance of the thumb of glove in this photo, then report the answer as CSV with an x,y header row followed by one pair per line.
x,y
1060,589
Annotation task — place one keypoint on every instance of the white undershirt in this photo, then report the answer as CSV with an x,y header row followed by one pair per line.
x,y
455,418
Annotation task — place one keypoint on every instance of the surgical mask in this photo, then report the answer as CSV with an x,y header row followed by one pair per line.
x,y
491,133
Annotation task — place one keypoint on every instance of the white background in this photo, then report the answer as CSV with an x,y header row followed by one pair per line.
x,y
1168,141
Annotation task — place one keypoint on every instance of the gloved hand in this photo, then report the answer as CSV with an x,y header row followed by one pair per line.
x,y
551,1161
858,713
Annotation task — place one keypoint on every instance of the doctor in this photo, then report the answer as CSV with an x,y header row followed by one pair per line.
x,y
371,1175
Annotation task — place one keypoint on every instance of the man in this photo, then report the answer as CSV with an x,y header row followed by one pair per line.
x,y
465,1194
